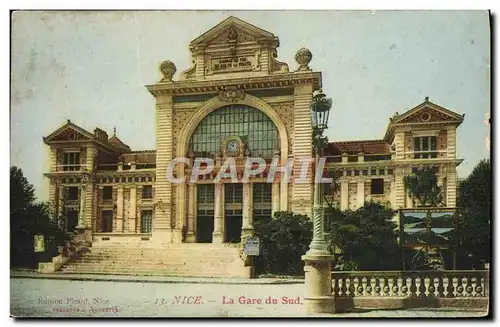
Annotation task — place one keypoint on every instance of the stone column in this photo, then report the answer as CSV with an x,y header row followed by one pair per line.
x,y
81,212
119,210
191,234
275,193
247,226
217,236
60,201
133,210
344,195
360,197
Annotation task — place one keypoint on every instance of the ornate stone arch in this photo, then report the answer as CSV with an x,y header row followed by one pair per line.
x,y
216,103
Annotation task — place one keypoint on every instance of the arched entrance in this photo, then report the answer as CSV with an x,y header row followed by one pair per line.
x,y
257,136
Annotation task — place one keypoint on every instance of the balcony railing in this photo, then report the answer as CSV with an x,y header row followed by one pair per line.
x,y
389,289
111,167
72,167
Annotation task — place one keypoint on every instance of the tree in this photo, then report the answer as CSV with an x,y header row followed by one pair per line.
x,y
283,240
474,203
22,193
28,218
367,238
423,186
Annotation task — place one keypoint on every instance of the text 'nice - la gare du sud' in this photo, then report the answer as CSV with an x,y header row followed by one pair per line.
x,y
252,167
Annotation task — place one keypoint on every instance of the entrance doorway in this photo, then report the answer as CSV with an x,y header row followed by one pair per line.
x,y
205,213
204,226
107,221
233,219
71,220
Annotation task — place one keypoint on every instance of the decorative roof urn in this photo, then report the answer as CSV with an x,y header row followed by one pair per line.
x,y
303,57
168,70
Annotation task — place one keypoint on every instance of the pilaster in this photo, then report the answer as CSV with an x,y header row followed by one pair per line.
x,y
119,210
399,188
302,148
133,210
247,225
360,197
191,216
275,193
162,231
217,236
344,195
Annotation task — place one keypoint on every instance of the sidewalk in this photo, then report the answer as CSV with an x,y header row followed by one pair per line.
x,y
153,279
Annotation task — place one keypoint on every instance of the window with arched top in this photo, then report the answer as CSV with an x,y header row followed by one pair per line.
x,y
255,129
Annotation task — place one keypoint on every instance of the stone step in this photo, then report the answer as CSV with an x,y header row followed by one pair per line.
x,y
156,273
90,260
169,268
152,264
200,260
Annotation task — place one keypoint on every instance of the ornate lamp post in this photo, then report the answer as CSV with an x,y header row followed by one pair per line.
x,y
318,260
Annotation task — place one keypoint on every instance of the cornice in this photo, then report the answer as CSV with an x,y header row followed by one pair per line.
x,y
247,83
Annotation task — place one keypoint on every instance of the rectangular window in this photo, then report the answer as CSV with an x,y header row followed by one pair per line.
x,y
146,221
425,147
205,194
377,186
71,161
107,193
262,193
233,193
147,192
73,193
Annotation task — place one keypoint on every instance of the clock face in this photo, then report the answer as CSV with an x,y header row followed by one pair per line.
x,y
232,146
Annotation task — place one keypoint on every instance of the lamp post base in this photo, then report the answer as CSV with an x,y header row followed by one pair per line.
x,y
318,282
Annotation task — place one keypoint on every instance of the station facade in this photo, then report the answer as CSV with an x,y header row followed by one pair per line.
x,y
236,100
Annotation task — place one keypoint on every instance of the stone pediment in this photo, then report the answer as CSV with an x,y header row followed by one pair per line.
x,y
69,132
232,30
427,112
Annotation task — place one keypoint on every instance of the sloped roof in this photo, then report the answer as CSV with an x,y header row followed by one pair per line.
x,y
355,147
117,143
140,157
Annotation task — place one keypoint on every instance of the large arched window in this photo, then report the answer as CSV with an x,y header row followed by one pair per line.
x,y
250,124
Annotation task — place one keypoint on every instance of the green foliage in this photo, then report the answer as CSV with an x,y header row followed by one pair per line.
x,y
28,218
283,240
366,238
423,186
474,201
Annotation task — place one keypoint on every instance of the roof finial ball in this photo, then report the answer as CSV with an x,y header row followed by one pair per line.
x,y
168,69
426,99
303,57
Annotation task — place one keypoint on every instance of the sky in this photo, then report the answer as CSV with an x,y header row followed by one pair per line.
x,y
91,67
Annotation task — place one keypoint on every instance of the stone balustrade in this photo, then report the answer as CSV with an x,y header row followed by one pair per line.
x,y
403,289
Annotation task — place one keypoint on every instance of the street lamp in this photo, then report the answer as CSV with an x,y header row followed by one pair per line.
x,y
318,260
320,110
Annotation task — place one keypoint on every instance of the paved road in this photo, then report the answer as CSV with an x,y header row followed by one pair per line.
x,y
71,298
